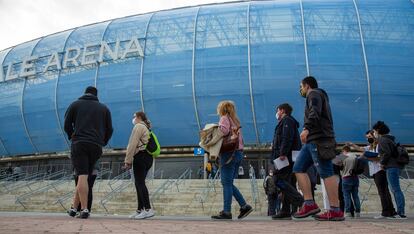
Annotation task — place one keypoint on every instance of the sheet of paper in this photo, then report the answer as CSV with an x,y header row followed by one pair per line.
x,y
295,154
279,164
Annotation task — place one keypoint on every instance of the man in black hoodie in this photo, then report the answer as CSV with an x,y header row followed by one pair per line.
x,y
88,125
318,138
285,140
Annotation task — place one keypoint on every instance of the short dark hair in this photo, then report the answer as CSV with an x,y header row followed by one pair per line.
x,y
311,81
346,148
91,90
381,128
286,107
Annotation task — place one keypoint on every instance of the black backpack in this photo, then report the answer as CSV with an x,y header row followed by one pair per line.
x,y
402,154
359,167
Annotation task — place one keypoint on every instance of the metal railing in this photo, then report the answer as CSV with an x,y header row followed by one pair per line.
x,y
171,182
254,188
123,181
65,178
29,181
211,186
370,183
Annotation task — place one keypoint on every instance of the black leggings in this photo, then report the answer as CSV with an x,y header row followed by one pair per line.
x,y
91,181
141,165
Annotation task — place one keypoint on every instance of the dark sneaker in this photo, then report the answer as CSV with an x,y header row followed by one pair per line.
x,y
306,211
282,216
72,212
223,215
400,217
245,211
84,214
331,216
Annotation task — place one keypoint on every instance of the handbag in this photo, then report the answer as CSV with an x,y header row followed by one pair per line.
x,y
231,140
326,149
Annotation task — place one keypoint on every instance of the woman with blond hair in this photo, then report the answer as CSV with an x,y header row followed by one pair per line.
x,y
230,161
140,161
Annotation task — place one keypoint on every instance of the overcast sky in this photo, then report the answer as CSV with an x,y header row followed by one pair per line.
x,y
24,20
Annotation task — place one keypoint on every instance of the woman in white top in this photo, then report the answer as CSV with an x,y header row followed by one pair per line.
x,y
379,176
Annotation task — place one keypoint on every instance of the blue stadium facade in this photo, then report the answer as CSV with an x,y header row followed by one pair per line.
x,y
178,64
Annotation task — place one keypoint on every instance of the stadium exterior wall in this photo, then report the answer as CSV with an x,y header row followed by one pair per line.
x,y
178,64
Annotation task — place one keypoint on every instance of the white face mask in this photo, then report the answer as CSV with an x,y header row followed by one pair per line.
x,y
277,115
376,135
134,121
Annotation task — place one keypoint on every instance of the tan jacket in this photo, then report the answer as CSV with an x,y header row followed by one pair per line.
x,y
211,139
137,141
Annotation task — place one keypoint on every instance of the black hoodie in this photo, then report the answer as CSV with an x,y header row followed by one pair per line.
x,y
387,152
318,116
88,120
286,138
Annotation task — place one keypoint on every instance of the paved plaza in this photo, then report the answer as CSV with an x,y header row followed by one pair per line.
x,y
19,222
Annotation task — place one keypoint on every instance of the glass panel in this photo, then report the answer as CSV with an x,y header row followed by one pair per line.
x,y
74,79
14,137
3,54
168,98
118,82
389,41
221,64
336,61
277,61
39,98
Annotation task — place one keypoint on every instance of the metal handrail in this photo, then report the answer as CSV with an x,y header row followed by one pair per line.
x,y
35,178
254,188
185,175
64,179
369,182
211,185
107,197
120,177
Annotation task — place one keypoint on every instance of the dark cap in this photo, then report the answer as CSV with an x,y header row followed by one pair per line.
x,y
91,90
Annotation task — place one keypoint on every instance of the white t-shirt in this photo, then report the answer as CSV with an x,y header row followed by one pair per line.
x,y
374,167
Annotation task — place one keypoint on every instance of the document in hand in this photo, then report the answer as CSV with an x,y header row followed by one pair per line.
x,y
370,154
280,164
295,154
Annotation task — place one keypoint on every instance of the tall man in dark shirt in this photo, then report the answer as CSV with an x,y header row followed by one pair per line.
x,y
318,138
88,125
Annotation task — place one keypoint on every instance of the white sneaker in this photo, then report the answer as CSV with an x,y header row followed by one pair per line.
x,y
379,217
348,215
135,214
400,217
149,213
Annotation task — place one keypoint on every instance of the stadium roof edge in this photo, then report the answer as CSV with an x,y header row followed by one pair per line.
x,y
150,12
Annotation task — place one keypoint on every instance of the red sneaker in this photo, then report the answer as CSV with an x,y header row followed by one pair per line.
x,y
306,211
331,216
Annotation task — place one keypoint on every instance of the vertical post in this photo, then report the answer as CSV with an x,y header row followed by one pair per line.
x,y
366,66
304,38
193,70
250,75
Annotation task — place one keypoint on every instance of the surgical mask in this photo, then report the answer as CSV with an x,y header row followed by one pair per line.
x,y
277,115
134,121
371,140
271,173
376,135
302,93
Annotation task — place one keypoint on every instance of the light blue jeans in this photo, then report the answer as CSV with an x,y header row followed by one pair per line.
x,y
228,173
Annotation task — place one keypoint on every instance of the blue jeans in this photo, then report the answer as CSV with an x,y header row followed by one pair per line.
x,y
393,177
228,173
309,155
350,187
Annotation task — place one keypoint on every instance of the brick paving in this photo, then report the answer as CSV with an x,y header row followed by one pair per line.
x,y
14,222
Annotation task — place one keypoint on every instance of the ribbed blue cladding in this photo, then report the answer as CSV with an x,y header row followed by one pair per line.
x,y
167,74
74,80
39,98
254,53
389,39
118,82
12,130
